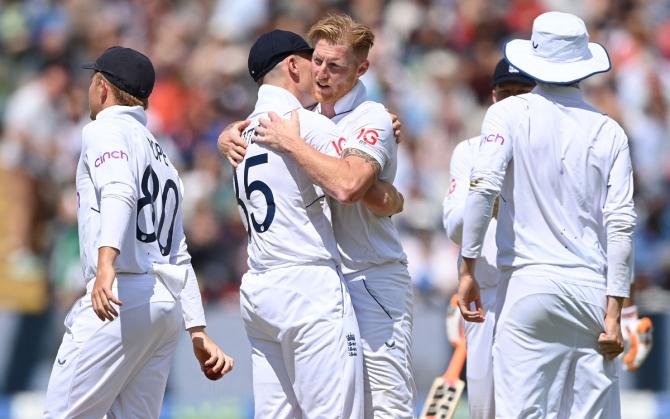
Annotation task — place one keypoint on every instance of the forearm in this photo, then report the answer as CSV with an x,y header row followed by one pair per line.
x,y
335,176
614,307
467,267
106,257
196,331
383,199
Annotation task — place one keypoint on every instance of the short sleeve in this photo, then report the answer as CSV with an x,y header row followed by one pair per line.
x,y
321,133
373,135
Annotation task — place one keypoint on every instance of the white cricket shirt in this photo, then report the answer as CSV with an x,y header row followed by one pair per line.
x,y
462,160
130,197
564,175
364,239
287,217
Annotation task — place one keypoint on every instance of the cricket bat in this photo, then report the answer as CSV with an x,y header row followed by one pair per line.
x,y
446,390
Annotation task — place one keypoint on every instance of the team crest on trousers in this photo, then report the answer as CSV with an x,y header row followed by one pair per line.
x,y
351,345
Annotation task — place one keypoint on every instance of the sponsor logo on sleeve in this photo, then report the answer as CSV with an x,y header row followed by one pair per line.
x,y
369,136
116,154
337,145
494,138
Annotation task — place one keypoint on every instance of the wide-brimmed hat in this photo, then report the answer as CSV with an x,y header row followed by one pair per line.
x,y
559,51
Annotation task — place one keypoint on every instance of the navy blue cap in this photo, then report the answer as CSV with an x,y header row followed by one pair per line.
x,y
127,69
506,72
271,48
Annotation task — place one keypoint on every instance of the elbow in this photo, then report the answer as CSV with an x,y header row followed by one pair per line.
x,y
455,236
348,193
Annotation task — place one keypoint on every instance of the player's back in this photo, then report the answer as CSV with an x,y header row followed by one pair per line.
x,y
286,216
117,148
552,209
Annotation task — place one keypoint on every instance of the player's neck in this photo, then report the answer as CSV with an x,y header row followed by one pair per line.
x,y
289,87
328,110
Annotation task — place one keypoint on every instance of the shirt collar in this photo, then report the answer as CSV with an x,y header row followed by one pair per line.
x,y
273,98
357,95
557,90
136,112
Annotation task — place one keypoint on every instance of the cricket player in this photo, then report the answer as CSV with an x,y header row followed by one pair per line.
x,y
374,263
306,353
563,174
507,81
140,287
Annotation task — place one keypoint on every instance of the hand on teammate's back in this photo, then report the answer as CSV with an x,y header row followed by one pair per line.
x,y
397,126
214,363
278,132
231,144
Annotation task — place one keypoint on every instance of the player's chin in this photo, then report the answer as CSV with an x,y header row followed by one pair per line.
x,y
322,93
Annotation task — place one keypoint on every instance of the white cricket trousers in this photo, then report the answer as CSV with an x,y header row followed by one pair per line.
x,y
479,362
306,355
382,298
546,362
118,368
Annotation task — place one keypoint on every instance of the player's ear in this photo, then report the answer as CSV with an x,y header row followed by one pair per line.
x,y
363,68
292,63
494,95
103,89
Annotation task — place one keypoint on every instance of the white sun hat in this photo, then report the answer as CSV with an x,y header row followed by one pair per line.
x,y
559,51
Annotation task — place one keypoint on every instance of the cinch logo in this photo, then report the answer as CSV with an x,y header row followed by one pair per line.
x,y
110,155
369,136
338,145
494,138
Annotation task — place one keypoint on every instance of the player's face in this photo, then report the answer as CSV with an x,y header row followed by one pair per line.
x,y
505,90
335,69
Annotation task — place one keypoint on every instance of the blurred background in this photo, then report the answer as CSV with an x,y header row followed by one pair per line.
x,y
431,64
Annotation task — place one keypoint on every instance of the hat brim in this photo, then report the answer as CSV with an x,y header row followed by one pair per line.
x,y
88,66
519,53
310,50
514,78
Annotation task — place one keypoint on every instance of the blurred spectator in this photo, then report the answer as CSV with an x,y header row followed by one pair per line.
x,y
33,115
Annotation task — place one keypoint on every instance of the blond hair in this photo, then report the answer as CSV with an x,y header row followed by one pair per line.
x,y
341,29
124,98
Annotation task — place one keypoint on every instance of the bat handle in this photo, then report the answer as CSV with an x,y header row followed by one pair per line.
x,y
453,372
